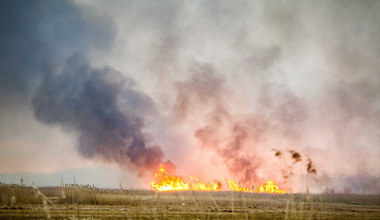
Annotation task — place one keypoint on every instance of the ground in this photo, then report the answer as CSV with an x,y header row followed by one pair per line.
x,y
75,202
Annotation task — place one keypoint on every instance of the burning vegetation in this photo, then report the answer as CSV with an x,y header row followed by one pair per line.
x,y
166,182
270,187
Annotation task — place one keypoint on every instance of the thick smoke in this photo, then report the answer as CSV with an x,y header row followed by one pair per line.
x,y
40,43
87,100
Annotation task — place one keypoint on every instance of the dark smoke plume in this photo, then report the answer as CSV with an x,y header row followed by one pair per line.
x,y
37,43
86,100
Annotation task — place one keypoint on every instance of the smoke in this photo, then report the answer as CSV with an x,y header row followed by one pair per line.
x,y
240,139
277,77
38,36
44,46
87,100
224,134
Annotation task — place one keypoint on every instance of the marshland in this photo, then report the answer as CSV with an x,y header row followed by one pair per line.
x,y
89,202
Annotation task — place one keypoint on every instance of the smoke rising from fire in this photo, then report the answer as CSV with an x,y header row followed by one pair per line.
x,y
233,80
100,104
238,138
87,100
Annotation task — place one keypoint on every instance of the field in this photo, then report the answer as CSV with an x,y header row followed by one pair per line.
x,y
85,202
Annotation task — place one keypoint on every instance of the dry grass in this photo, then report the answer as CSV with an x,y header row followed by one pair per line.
x,y
91,203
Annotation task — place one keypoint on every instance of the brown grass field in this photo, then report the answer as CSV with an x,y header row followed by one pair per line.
x,y
84,202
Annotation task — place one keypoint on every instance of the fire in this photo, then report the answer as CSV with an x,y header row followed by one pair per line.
x,y
202,186
235,187
270,187
165,182
168,183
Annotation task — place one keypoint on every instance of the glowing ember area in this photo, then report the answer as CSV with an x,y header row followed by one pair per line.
x,y
270,187
165,182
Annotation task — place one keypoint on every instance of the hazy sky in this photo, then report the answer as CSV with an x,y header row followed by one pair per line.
x,y
97,89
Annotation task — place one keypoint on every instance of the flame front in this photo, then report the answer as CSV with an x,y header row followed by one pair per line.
x,y
235,187
270,187
166,182
197,185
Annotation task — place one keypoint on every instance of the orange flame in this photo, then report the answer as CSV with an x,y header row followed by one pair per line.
x,y
166,182
202,186
235,187
270,187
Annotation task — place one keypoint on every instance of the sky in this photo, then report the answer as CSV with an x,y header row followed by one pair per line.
x,y
102,92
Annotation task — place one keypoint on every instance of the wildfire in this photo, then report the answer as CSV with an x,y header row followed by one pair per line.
x,y
197,185
235,187
270,187
166,182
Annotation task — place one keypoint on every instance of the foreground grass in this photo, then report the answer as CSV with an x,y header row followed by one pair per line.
x,y
91,203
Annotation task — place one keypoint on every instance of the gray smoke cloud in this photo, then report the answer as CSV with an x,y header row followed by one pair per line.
x,y
43,47
87,100
38,36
